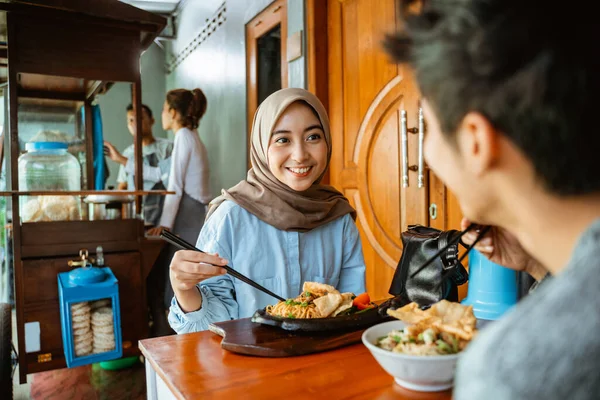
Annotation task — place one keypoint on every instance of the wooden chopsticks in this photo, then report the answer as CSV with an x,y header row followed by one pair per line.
x,y
183,245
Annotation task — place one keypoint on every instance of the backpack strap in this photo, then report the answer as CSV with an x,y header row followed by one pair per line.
x,y
450,258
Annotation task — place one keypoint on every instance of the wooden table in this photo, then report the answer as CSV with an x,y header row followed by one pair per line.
x,y
195,366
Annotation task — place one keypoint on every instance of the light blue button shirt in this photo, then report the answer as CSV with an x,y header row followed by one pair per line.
x,y
280,261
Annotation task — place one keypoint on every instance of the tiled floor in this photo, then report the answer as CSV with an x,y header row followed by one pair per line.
x,y
90,382
87,382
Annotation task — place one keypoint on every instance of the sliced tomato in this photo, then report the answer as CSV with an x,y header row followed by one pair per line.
x,y
362,301
365,306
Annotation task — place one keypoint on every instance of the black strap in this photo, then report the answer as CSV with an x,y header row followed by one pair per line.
x,y
450,258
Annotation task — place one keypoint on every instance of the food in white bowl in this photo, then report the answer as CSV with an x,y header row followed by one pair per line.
x,y
421,351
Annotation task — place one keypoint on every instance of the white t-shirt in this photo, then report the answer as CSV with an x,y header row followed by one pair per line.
x,y
189,174
162,149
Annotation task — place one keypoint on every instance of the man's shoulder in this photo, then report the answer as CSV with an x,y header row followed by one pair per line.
x,y
163,141
164,146
549,337
128,152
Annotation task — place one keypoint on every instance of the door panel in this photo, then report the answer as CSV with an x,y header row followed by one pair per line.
x,y
366,97
266,54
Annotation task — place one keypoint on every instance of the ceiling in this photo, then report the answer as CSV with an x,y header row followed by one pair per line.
x,y
163,7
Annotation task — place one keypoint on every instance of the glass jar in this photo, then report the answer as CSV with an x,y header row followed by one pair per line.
x,y
47,166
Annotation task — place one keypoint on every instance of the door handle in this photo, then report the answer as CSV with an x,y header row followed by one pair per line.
x,y
421,176
404,147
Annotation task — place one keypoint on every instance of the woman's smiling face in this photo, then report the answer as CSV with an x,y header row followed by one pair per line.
x,y
297,154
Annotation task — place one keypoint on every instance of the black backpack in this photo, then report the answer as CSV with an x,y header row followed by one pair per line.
x,y
420,244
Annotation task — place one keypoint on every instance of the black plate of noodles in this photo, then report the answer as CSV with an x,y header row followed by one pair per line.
x,y
342,323
321,308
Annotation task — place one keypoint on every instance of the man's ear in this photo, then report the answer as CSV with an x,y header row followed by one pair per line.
x,y
478,142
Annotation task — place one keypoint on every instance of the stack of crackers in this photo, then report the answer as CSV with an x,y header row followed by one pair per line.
x,y
102,326
82,333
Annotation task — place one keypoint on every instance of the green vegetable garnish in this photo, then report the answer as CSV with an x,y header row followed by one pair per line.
x,y
347,311
307,294
289,301
454,344
412,340
304,304
443,346
290,315
420,337
397,338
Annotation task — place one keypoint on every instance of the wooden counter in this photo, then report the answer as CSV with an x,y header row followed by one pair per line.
x,y
194,366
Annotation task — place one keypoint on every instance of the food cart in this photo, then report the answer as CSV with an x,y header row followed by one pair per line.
x,y
58,56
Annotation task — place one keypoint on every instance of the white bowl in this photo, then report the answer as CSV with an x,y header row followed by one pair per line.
x,y
420,373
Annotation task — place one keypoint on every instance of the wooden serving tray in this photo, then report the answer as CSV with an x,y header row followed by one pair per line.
x,y
246,337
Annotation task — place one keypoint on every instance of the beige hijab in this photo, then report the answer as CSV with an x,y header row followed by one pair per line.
x,y
271,200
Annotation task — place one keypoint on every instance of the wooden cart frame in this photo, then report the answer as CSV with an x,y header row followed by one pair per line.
x,y
69,51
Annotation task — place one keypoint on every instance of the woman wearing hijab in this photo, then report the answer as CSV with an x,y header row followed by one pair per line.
x,y
279,226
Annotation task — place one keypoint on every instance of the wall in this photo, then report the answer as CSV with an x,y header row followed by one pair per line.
x,y
218,67
296,23
113,104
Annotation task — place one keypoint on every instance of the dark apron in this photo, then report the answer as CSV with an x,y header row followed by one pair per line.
x,y
190,219
188,223
152,204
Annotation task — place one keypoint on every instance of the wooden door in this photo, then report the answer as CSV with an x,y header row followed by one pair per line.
x,y
370,97
266,66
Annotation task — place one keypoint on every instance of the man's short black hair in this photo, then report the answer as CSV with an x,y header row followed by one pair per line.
x,y
530,67
144,107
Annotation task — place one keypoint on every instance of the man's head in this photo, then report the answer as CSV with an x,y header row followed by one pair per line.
x,y
508,90
147,120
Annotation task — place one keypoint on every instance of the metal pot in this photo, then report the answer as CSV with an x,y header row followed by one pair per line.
x,y
103,207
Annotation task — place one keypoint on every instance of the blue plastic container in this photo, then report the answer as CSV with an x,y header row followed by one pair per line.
x,y
492,287
88,284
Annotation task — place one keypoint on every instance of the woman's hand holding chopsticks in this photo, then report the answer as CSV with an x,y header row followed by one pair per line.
x,y
188,268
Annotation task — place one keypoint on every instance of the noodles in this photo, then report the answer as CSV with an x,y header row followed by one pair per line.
x,y
316,301
300,307
282,309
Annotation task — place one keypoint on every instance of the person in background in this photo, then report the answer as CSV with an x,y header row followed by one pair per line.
x,y
510,104
156,159
279,226
184,212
